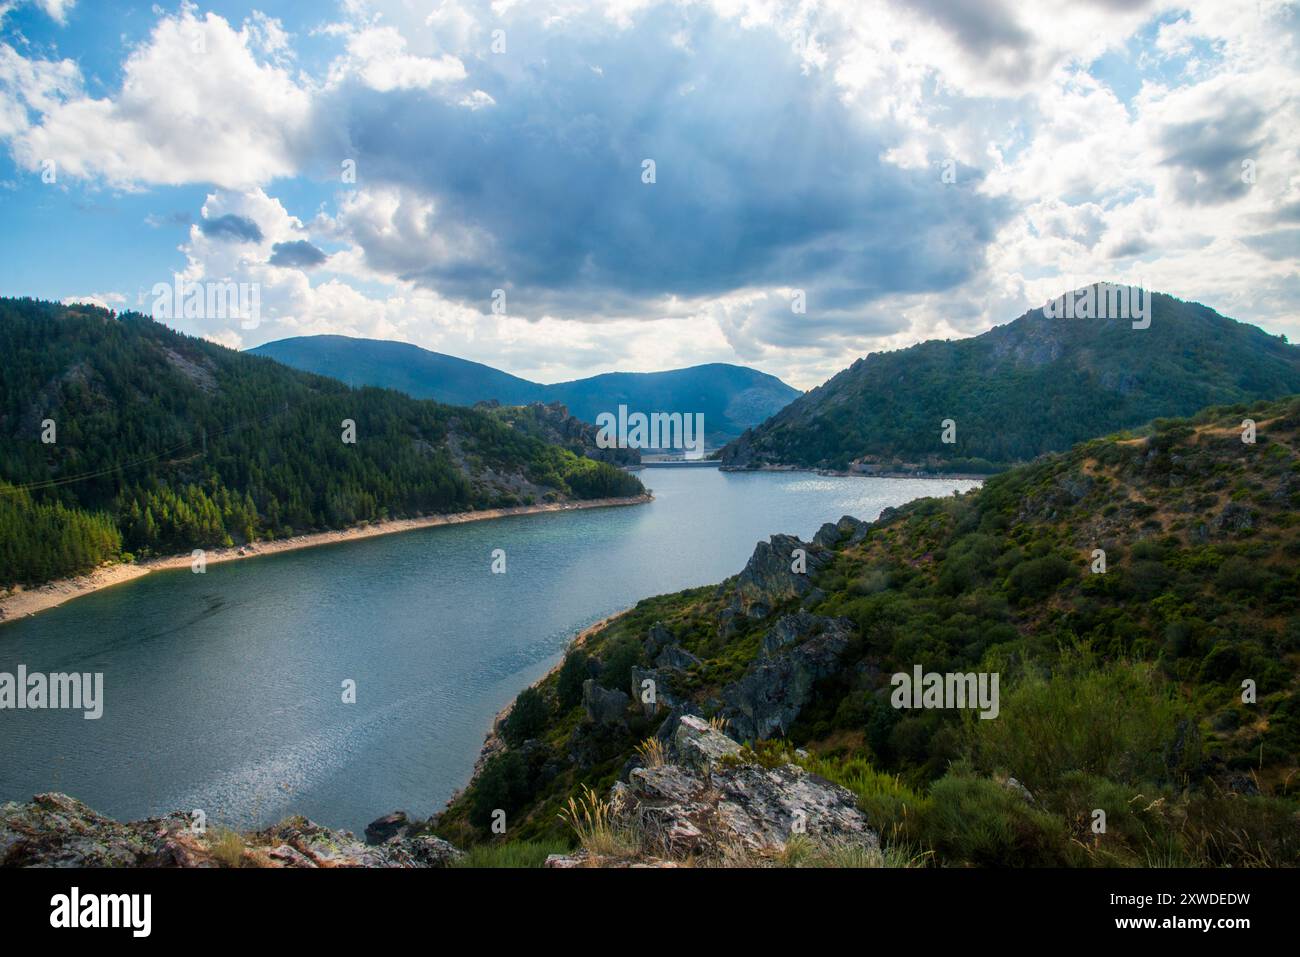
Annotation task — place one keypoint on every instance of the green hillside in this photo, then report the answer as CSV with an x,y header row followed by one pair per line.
x,y
1032,386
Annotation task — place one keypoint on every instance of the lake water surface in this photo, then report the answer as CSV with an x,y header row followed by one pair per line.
x,y
222,691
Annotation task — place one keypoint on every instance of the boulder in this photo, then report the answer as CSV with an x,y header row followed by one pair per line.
x,y
789,630
657,639
604,706
712,810
390,825
665,699
698,745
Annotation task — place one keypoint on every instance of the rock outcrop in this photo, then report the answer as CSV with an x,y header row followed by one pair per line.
x,y
777,572
798,651
711,803
54,830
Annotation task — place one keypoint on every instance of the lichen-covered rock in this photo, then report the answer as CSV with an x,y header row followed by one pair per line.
x,y
712,803
54,830
699,746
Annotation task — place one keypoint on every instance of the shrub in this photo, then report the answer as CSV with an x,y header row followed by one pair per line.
x,y
527,718
975,820
503,785
1118,721
1038,577
573,673
616,670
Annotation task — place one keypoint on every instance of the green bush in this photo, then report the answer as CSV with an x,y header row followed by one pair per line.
x,y
616,669
1117,721
1038,577
573,673
978,821
503,785
527,719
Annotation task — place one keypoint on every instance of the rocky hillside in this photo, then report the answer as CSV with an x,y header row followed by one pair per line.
x,y
1034,385
1137,599
551,423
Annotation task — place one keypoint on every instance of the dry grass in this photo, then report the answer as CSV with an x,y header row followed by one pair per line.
x,y
227,847
589,816
652,753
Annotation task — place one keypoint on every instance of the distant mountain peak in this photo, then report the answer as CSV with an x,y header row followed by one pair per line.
x,y
731,397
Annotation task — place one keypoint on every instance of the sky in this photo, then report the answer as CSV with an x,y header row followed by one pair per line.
x,y
559,188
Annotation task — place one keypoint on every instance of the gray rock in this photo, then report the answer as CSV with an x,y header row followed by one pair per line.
x,y
768,578
657,638
769,697
54,830
699,746
665,699
789,630
683,810
828,536
390,825
1235,517
604,706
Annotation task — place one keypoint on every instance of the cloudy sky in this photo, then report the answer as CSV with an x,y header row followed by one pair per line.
x,y
910,169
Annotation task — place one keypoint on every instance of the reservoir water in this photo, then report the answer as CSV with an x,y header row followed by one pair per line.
x,y
223,691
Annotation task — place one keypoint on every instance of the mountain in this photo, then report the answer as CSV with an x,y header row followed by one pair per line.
x,y
1035,385
1128,614
731,398
119,435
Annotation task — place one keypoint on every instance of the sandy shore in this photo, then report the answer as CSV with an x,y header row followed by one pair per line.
x,y
28,601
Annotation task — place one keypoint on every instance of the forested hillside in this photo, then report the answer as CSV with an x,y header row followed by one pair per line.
x,y
1156,683
1035,385
159,442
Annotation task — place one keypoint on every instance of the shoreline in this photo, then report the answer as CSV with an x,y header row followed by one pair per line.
x,y
23,602
835,473
493,743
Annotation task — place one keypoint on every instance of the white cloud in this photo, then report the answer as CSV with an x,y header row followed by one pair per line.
x,y
379,56
196,105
